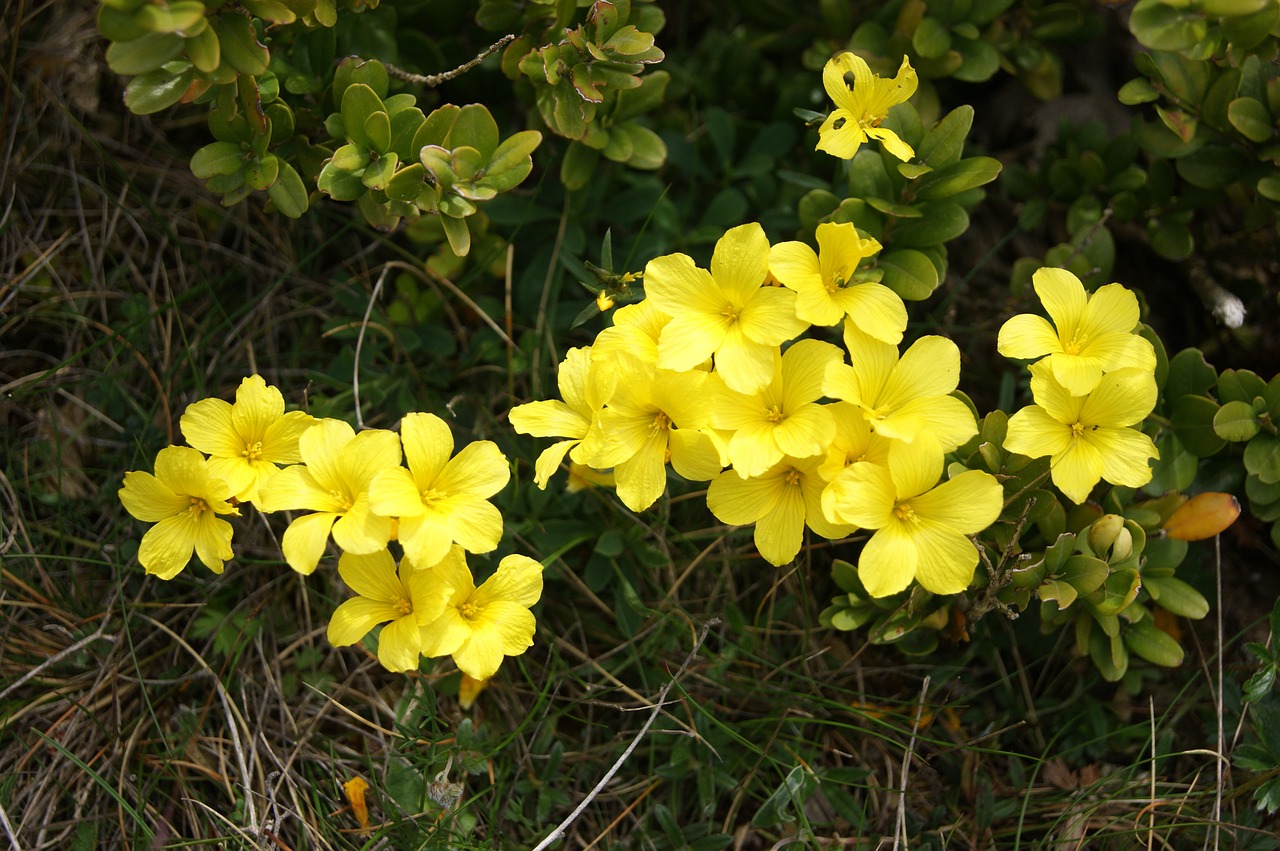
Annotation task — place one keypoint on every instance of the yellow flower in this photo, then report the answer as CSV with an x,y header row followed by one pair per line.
x,y
921,529
246,441
862,101
854,441
585,386
780,502
333,482
726,312
903,399
480,626
1087,437
635,331
183,500
783,417
655,416
1090,335
404,601
826,291
441,500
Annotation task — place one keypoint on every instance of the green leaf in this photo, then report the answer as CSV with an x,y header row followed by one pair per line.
x,y
261,174
944,143
931,38
648,151
1177,597
1192,418
578,165
1136,91
1240,385
940,222
958,177
458,234
1251,118
118,24
909,273
1163,27
1175,470
1262,458
1213,166
288,192
792,793
514,152
158,89
359,103
377,174
1189,375
217,158
474,127
172,17
1148,641
240,46
141,55
1236,422
377,129
407,183
979,59
340,185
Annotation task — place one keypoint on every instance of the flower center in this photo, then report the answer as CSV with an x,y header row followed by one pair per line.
x,y
1076,343
905,513
431,496
661,422
253,451
730,312
1077,430
198,506
402,605
774,415
470,611
793,478
341,498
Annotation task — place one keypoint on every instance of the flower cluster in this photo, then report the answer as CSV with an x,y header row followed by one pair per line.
x,y
706,375
355,490
1093,384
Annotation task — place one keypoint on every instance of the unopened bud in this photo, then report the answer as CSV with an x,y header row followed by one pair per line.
x,y
1109,539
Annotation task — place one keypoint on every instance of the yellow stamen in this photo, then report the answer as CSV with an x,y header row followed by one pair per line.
x,y
470,611
905,513
198,506
774,415
403,606
253,451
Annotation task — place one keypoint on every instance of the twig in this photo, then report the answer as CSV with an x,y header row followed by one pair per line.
x,y
900,829
8,830
1222,743
364,323
657,707
432,80
56,658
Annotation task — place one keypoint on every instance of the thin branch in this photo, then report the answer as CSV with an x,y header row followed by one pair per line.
x,y
657,707
433,80
364,323
900,828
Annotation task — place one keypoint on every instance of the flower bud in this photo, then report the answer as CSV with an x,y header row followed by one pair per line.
x,y
1109,539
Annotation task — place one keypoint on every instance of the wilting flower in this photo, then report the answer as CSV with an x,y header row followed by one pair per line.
x,y
1087,437
183,500
726,312
921,530
780,502
863,101
439,499
826,291
334,483
246,441
405,601
1090,335
784,417
480,626
585,386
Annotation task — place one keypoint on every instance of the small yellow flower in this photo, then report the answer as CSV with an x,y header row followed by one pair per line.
x,y
1090,335
862,102
585,386
183,500
921,530
404,601
246,441
635,331
334,483
481,626
780,502
439,499
1088,437
727,312
826,291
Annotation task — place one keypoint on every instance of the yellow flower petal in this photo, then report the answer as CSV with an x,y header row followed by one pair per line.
x,y
474,522
296,488
166,547
804,365
1077,470
480,469
393,493
480,655
968,503
369,453
400,645
694,455
689,339
642,478
257,407
805,432
888,561
913,469
1122,398
676,286
549,460
212,540
428,443
359,530
150,500
445,634
305,539
1033,433
862,494
753,450
877,311
945,557
740,262
780,532
280,443
354,618
1063,297
320,447
891,141
745,365
795,265
930,367
207,426
551,418
1027,336
518,579
1111,308
372,575
741,502
770,316
1125,453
